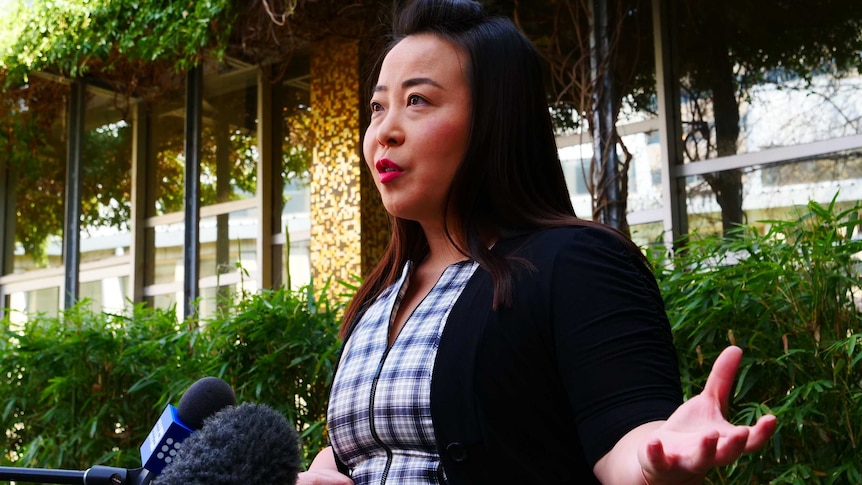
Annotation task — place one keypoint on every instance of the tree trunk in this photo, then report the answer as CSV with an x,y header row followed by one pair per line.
x,y
726,185
609,184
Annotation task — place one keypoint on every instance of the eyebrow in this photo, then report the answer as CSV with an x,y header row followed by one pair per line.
x,y
410,83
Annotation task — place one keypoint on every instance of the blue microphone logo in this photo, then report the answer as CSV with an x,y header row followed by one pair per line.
x,y
161,446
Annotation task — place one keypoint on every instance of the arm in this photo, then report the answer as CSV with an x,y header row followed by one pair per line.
x,y
323,471
695,438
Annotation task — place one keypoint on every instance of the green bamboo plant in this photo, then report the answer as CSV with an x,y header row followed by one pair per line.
x,y
789,295
86,387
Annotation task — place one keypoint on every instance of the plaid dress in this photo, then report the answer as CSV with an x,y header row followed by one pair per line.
x,y
380,405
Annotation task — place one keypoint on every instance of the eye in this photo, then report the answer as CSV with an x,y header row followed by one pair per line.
x,y
415,99
375,107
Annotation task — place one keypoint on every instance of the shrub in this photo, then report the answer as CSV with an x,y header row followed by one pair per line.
x,y
279,348
790,298
85,388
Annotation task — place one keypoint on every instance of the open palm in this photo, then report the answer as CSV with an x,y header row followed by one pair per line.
x,y
697,436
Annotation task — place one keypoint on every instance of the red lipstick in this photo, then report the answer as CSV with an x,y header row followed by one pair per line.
x,y
388,170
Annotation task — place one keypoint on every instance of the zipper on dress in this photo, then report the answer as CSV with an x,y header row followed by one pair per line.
x,y
371,417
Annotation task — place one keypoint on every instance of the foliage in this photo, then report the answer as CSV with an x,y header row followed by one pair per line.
x,y
71,36
31,150
107,177
133,43
791,299
85,388
33,138
279,348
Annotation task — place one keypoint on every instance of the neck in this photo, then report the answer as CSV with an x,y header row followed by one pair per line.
x,y
443,252
441,249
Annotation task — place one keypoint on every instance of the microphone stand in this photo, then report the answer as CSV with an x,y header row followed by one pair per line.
x,y
97,475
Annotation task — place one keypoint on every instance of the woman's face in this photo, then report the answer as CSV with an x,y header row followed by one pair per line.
x,y
420,117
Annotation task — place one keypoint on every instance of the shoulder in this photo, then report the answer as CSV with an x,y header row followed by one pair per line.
x,y
586,241
585,263
588,233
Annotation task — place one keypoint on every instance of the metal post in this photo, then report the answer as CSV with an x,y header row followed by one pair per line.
x,y
72,223
191,248
667,88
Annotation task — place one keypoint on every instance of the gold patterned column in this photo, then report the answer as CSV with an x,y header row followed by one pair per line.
x,y
335,244
375,224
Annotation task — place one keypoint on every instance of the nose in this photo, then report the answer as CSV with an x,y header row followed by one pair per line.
x,y
390,131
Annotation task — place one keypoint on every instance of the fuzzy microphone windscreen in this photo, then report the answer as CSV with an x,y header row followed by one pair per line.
x,y
203,399
249,443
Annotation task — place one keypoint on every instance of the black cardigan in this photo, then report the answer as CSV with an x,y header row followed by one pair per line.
x,y
537,392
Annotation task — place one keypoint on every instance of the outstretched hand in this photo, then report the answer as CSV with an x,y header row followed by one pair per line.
x,y
697,436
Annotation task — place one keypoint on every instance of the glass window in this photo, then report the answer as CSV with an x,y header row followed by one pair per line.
x,y
229,154
644,173
35,175
109,294
229,245
296,268
228,173
828,106
228,256
749,85
166,160
648,235
169,300
106,179
166,255
106,201
44,301
771,192
831,170
290,253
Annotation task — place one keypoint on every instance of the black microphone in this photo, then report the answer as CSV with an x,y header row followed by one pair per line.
x,y
201,400
250,443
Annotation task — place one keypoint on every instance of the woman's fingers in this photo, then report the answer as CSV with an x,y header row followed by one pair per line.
x,y
720,381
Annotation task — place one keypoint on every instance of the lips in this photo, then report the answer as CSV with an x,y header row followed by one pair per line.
x,y
388,170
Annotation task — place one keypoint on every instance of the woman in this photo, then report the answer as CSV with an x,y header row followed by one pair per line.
x,y
500,339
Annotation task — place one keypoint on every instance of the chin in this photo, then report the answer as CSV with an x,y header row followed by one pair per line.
x,y
414,208
400,211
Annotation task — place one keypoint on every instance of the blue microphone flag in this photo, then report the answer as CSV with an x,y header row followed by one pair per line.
x,y
162,444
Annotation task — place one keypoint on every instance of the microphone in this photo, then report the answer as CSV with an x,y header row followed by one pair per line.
x,y
202,399
250,443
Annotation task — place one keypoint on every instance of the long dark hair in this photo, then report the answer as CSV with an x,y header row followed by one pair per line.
x,y
510,180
